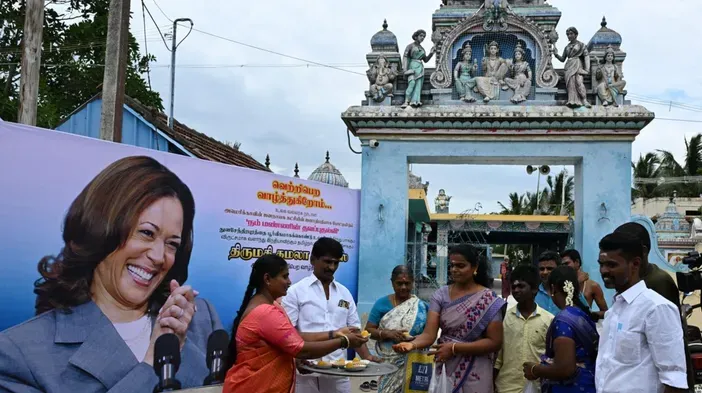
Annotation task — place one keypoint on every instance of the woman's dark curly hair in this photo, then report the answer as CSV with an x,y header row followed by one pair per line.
x,y
100,220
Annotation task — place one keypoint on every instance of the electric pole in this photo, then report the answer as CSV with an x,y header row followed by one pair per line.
x,y
174,46
114,79
31,61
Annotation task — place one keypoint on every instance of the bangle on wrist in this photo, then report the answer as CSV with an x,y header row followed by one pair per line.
x,y
414,346
453,349
344,342
532,370
331,334
380,333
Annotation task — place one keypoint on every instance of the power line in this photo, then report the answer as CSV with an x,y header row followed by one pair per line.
x,y
156,24
264,49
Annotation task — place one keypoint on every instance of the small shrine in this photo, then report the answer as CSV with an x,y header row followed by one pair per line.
x,y
494,97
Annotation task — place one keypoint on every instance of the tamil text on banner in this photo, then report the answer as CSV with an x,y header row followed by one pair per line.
x,y
240,214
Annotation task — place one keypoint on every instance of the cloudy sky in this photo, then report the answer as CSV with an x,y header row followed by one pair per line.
x,y
291,109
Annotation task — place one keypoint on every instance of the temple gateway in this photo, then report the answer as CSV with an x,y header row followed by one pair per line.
x,y
494,97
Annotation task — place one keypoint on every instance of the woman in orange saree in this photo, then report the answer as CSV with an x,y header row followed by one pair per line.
x,y
264,344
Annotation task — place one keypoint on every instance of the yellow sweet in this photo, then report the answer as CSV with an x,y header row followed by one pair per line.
x,y
340,362
365,334
322,363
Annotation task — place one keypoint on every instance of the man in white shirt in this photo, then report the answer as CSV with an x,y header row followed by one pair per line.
x,y
320,304
640,348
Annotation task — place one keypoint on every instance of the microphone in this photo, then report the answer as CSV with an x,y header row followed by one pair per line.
x,y
217,345
167,362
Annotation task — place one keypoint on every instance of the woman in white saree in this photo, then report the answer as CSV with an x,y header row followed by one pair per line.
x,y
396,318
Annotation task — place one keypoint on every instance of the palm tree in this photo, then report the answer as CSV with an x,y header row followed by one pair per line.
x,y
647,167
555,202
669,167
516,204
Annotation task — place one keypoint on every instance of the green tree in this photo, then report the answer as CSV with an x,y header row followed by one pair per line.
x,y
555,202
73,55
646,167
669,167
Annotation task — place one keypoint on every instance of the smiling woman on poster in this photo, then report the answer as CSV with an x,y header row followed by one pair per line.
x,y
115,287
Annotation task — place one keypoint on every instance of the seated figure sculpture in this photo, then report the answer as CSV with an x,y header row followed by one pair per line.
x,y
381,77
464,74
520,73
610,83
494,70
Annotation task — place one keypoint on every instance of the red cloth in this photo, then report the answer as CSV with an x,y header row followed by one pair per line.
x,y
267,344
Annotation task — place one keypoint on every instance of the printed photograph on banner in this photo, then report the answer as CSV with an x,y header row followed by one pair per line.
x,y
240,215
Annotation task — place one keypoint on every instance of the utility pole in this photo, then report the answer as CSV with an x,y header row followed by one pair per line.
x,y
31,61
114,79
174,47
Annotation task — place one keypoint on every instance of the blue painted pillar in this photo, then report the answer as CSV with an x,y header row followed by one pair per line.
x,y
603,200
383,230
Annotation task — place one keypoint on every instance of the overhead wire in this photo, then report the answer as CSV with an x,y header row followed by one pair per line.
x,y
156,24
263,49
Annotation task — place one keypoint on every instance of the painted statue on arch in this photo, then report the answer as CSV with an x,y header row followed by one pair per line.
x,y
577,66
464,74
520,72
494,71
413,65
610,82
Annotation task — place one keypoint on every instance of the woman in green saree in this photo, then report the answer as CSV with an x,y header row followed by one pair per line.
x,y
413,64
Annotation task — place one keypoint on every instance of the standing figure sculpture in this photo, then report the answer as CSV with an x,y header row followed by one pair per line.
x,y
610,83
577,65
464,74
441,203
494,70
381,77
413,65
521,73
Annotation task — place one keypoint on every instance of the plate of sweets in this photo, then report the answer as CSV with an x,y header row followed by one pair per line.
x,y
321,364
341,363
356,365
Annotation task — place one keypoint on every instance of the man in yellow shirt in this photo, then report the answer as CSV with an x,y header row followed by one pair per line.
x,y
525,326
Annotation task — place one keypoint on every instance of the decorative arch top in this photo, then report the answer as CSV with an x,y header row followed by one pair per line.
x,y
507,23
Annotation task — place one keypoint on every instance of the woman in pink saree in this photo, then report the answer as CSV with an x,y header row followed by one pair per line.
x,y
470,317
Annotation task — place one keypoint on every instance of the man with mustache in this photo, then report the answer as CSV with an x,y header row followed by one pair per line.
x,y
661,282
640,347
317,304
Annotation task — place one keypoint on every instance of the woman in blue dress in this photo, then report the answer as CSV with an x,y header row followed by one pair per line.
x,y
571,341
396,318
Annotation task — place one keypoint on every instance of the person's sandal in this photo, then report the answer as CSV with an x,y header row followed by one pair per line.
x,y
365,387
374,385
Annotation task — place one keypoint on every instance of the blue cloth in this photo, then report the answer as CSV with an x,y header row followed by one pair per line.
x,y
380,308
81,351
383,305
577,325
543,299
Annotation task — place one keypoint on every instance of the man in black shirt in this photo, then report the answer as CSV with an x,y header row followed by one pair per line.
x,y
661,282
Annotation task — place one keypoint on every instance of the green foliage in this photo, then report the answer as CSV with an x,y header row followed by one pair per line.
x,y
74,39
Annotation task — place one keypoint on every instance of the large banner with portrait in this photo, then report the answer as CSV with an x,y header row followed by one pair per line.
x,y
240,215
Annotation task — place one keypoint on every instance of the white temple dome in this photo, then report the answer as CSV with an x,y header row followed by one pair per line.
x,y
327,173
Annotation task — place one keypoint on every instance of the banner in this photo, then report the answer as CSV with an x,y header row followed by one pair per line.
x,y
240,214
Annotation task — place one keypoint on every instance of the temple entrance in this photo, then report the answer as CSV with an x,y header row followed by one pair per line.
x,y
494,98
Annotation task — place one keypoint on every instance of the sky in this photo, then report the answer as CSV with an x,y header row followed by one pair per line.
x,y
290,109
